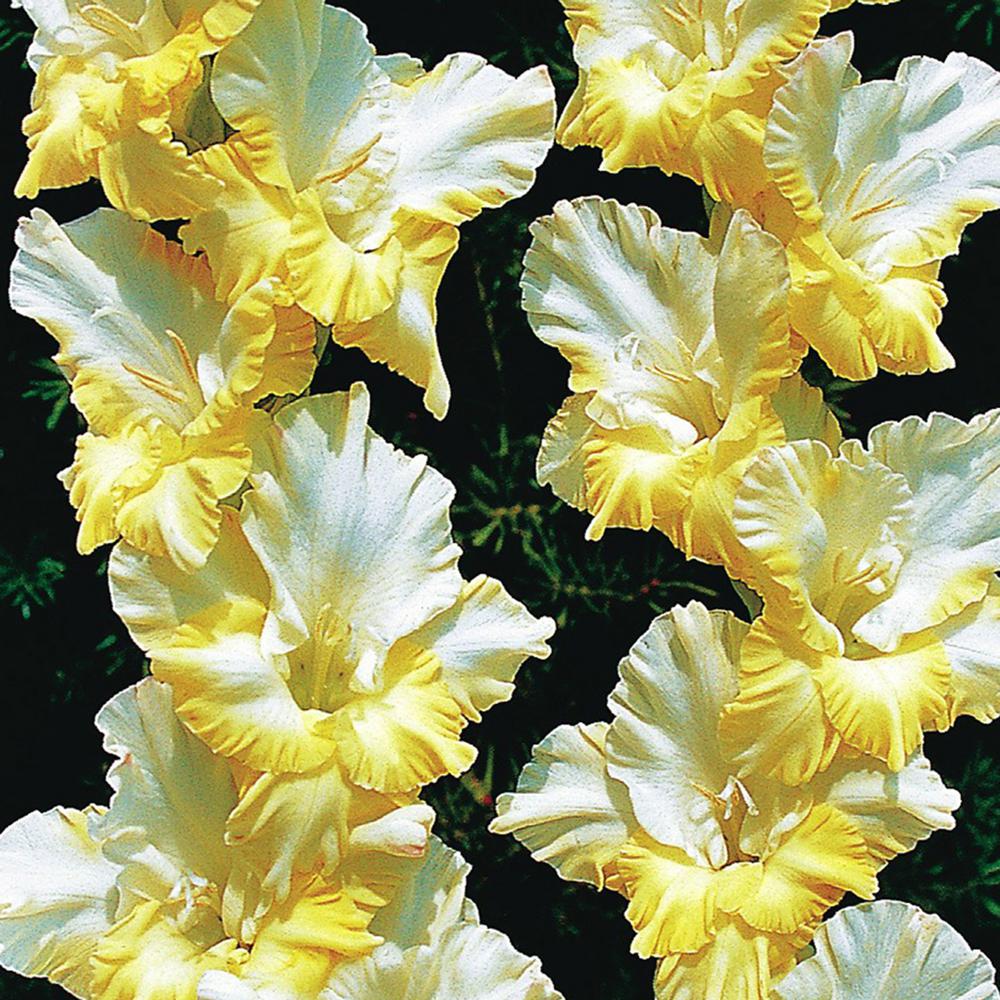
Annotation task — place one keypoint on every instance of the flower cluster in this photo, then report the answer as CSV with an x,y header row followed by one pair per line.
x,y
315,652
752,775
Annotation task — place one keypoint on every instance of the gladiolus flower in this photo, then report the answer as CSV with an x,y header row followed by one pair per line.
x,y
350,173
681,364
330,638
881,605
165,376
113,80
139,901
726,879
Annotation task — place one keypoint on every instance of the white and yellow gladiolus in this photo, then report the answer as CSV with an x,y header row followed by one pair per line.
x,y
725,879
114,79
889,951
681,364
881,613
877,183
350,173
139,900
436,949
165,376
330,640
684,85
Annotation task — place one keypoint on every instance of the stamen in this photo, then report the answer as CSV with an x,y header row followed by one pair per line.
x,y
873,209
185,356
112,23
160,386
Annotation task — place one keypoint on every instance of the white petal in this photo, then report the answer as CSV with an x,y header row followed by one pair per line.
x,y
972,642
57,897
664,742
154,598
469,960
893,811
107,289
481,641
171,792
889,951
430,901
953,471
342,520
567,810
298,82
628,304
470,137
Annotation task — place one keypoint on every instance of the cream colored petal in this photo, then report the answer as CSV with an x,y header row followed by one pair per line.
x,y
894,811
751,311
804,414
109,289
567,810
430,901
378,554
57,897
468,960
481,642
889,951
471,137
971,640
404,336
629,305
802,127
562,456
953,471
913,179
154,598
290,82
663,744
236,699
169,790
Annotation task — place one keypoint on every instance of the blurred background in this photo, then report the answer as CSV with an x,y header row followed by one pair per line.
x,y
67,652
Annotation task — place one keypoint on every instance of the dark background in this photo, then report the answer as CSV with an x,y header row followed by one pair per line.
x,y
66,653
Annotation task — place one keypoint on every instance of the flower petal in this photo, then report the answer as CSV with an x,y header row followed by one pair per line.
x,y
58,897
467,960
971,640
380,553
953,471
170,790
889,951
567,810
481,642
404,336
663,744
777,725
472,137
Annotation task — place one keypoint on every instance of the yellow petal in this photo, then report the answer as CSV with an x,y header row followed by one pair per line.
x,y
671,899
61,144
404,336
796,882
151,176
146,957
734,966
233,697
290,358
332,280
777,726
636,478
246,229
406,735
882,704
94,481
